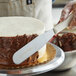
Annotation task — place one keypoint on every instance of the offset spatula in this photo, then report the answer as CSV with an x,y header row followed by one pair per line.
x,y
37,43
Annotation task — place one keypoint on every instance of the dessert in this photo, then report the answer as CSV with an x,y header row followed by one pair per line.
x,y
15,32
67,41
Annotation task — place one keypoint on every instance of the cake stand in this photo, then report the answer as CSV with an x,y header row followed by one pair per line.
x,y
41,68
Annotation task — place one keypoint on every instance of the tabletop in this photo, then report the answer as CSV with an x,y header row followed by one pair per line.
x,y
69,72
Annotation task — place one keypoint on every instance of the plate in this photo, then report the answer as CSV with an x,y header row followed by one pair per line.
x,y
50,65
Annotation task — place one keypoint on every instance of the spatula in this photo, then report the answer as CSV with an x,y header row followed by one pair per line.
x,y
37,43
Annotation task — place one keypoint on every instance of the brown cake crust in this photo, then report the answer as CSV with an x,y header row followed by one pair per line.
x,y
9,45
67,41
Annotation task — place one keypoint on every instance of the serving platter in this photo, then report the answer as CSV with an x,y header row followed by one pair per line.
x,y
41,68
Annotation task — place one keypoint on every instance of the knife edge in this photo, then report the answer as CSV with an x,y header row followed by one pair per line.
x,y
61,26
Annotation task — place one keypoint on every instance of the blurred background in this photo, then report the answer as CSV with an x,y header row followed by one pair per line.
x,y
60,2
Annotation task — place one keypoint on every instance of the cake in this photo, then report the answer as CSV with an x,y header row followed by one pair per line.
x,y
15,32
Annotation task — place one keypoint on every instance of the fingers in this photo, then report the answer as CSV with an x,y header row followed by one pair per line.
x,y
66,11
69,8
72,24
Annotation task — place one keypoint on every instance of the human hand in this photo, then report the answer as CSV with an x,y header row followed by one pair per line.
x,y
67,10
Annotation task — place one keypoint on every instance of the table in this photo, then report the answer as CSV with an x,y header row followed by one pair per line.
x,y
70,72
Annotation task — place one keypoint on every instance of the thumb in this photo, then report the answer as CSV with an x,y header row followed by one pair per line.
x,y
72,24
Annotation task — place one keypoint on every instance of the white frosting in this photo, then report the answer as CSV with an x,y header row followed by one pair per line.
x,y
12,26
42,51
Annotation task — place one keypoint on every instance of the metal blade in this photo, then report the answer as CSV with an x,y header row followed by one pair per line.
x,y
61,26
32,47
